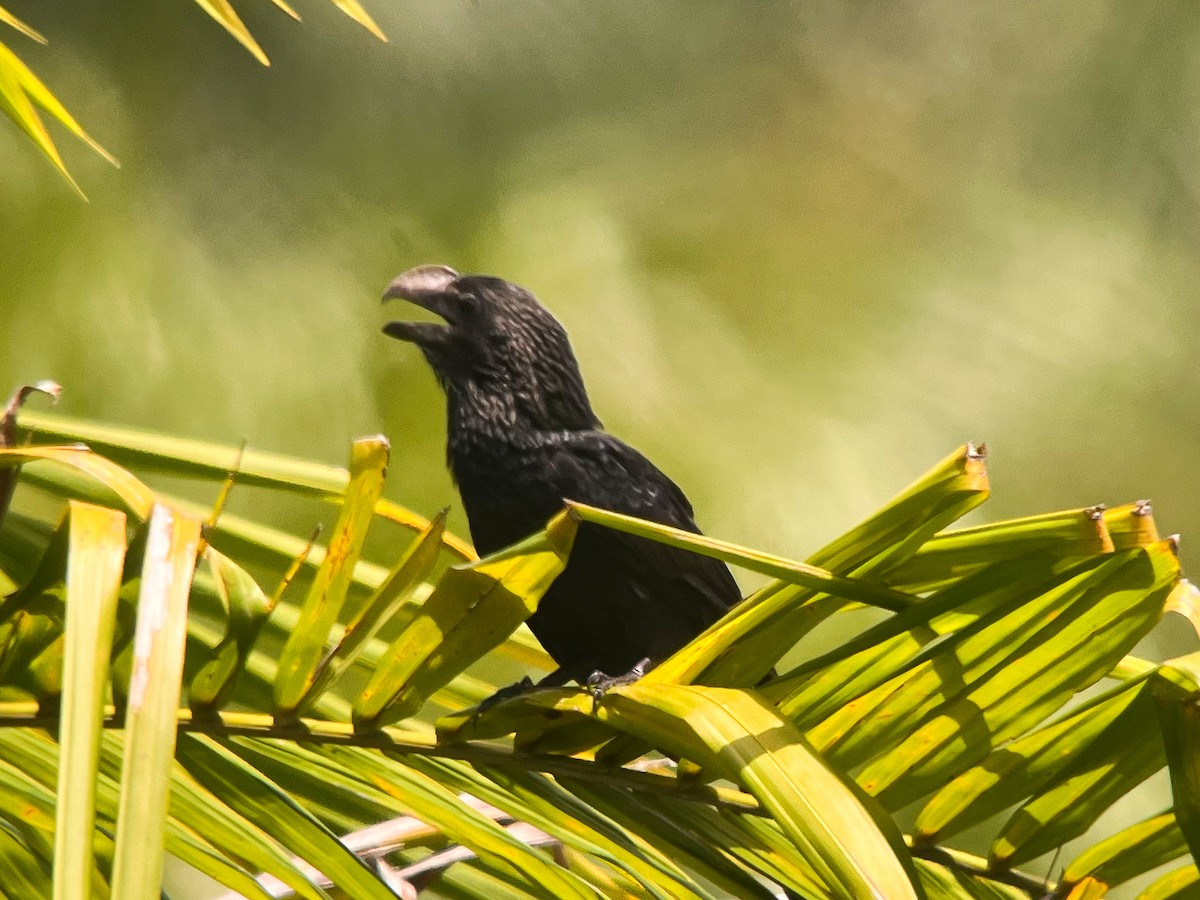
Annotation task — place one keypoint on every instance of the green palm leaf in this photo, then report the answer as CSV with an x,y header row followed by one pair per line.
x,y
247,759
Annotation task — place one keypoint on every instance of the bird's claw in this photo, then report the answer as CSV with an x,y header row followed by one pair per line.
x,y
505,693
599,684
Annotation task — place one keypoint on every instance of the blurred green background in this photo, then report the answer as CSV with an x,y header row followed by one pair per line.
x,y
804,250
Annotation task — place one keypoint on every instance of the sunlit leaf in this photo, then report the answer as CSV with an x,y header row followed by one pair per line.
x,y
1132,525
48,103
1178,884
9,19
433,802
472,610
187,457
952,555
133,493
354,10
306,646
726,862
1080,643
1024,766
739,736
21,93
96,557
821,686
536,799
153,698
1185,600
248,608
945,883
1175,694
247,791
381,608
15,104
804,574
1130,852
1109,767
225,15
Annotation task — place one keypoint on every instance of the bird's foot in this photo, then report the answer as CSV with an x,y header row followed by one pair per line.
x,y
505,693
598,683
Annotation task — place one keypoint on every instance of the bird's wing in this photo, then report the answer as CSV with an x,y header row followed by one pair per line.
x,y
598,469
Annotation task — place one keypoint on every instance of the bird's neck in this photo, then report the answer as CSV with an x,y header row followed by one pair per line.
x,y
495,446
482,423
479,416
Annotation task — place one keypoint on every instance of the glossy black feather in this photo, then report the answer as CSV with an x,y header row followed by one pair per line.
x,y
522,438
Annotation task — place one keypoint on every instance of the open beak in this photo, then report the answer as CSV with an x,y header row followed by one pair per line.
x,y
429,287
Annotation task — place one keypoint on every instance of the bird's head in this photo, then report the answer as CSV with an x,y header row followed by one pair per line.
x,y
498,346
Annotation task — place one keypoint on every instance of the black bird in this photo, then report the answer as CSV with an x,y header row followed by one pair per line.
x,y
522,438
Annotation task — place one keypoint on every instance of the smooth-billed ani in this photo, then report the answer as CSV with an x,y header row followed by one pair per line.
x,y
522,438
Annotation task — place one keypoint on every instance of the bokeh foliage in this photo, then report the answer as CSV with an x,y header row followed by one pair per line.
x,y
22,93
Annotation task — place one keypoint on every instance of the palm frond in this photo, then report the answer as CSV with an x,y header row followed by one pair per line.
x,y
268,724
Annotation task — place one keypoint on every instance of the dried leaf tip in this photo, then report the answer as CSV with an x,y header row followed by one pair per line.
x,y
977,451
8,422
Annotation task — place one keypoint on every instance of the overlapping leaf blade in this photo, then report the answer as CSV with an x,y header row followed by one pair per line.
x,y
1130,852
243,788
306,646
1122,600
739,736
862,701
473,609
434,803
413,568
1023,767
1105,770
1175,688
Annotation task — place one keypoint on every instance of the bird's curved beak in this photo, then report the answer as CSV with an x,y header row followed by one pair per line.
x,y
429,287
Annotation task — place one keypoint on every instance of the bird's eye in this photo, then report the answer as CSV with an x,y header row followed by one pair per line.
x,y
470,306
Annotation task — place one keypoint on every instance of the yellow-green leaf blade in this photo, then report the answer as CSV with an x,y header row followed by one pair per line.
x,y
1109,767
187,457
225,15
382,606
306,645
473,609
1174,688
354,10
137,497
15,104
9,19
247,608
1178,883
434,803
250,794
736,734
955,554
1021,768
532,797
41,96
95,558
809,576
1130,852
153,699
1073,650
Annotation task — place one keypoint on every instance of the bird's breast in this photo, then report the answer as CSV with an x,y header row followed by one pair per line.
x,y
505,497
